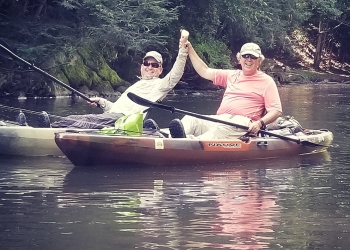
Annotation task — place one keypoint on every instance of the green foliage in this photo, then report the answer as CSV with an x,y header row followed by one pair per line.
x,y
132,25
326,19
264,22
235,22
325,8
200,16
68,24
213,52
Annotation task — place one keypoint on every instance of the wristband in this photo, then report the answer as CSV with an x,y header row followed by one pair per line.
x,y
262,123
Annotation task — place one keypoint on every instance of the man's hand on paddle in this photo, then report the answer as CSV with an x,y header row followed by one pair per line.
x,y
94,101
254,127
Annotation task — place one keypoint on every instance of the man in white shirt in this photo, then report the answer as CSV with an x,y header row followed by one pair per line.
x,y
150,87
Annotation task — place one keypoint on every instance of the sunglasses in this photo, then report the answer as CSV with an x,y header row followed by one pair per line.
x,y
249,56
153,64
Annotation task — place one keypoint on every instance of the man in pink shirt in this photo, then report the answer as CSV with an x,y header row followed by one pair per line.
x,y
251,98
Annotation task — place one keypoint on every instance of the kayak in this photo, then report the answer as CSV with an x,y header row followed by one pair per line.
x,y
96,149
28,141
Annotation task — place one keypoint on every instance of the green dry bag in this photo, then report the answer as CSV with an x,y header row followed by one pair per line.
x,y
128,124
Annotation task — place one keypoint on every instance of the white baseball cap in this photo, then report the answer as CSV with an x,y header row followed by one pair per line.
x,y
155,55
251,48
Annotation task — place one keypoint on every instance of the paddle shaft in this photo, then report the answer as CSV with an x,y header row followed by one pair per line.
x,y
144,102
13,55
212,119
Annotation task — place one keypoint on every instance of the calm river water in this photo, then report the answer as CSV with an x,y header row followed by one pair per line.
x,y
301,202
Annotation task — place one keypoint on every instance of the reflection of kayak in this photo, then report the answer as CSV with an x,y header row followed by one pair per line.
x,y
97,149
107,179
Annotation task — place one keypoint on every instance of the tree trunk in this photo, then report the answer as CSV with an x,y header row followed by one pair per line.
x,y
320,43
330,56
41,6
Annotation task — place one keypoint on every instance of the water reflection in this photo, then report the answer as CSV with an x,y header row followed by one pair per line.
x,y
246,211
235,206
244,205
27,196
33,172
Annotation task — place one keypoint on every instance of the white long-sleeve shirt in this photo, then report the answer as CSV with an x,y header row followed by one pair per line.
x,y
151,89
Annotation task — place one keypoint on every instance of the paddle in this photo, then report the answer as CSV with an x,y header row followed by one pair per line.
x,y
13,55
144,102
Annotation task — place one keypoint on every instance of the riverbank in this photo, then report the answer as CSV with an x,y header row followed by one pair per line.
x,y
301,72
283,73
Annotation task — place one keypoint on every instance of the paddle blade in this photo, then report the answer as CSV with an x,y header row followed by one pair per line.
x,y
139,100
144,102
